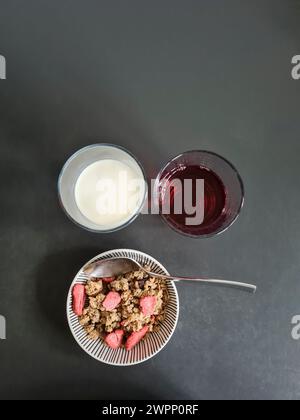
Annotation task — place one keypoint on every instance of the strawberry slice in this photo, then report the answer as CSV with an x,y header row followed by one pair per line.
x,y
78,298
136,337
111,301
114,339
147,305
108,279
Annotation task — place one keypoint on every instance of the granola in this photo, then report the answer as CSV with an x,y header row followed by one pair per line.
x,y
122,309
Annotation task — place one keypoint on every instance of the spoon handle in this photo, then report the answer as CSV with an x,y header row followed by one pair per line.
x,y
225,283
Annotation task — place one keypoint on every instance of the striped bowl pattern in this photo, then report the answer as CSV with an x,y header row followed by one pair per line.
x,y
153,343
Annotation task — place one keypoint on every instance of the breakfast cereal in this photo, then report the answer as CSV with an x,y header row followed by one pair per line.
x,y
121,310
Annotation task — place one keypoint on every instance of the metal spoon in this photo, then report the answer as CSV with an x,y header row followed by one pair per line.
x,y
120,265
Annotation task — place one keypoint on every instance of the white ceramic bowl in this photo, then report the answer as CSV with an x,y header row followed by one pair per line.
x,y
153,343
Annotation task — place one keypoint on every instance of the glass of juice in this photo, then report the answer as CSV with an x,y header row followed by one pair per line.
x,y
199,194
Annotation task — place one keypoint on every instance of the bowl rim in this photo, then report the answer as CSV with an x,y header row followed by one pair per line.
x,y
67,163
171,283
239,178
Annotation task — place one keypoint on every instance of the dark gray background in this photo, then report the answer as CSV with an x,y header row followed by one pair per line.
x,y
158,77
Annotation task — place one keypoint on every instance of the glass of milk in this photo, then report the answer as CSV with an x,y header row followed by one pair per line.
x,y
102,188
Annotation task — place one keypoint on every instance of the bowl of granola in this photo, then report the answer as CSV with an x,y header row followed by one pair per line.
x,y
123,320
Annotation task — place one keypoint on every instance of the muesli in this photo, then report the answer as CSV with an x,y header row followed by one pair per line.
x,y
121,310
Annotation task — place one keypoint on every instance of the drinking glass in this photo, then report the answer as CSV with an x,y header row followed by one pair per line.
x,y
73,168
223,192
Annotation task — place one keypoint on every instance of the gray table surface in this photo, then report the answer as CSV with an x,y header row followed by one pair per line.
x,y
158,77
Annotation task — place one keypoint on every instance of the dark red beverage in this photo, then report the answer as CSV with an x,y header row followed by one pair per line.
x,y
213,201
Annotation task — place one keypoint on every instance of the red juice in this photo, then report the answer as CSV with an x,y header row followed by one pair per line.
x,y
214,200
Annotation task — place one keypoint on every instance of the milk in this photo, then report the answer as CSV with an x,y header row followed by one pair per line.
x,y
110,192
